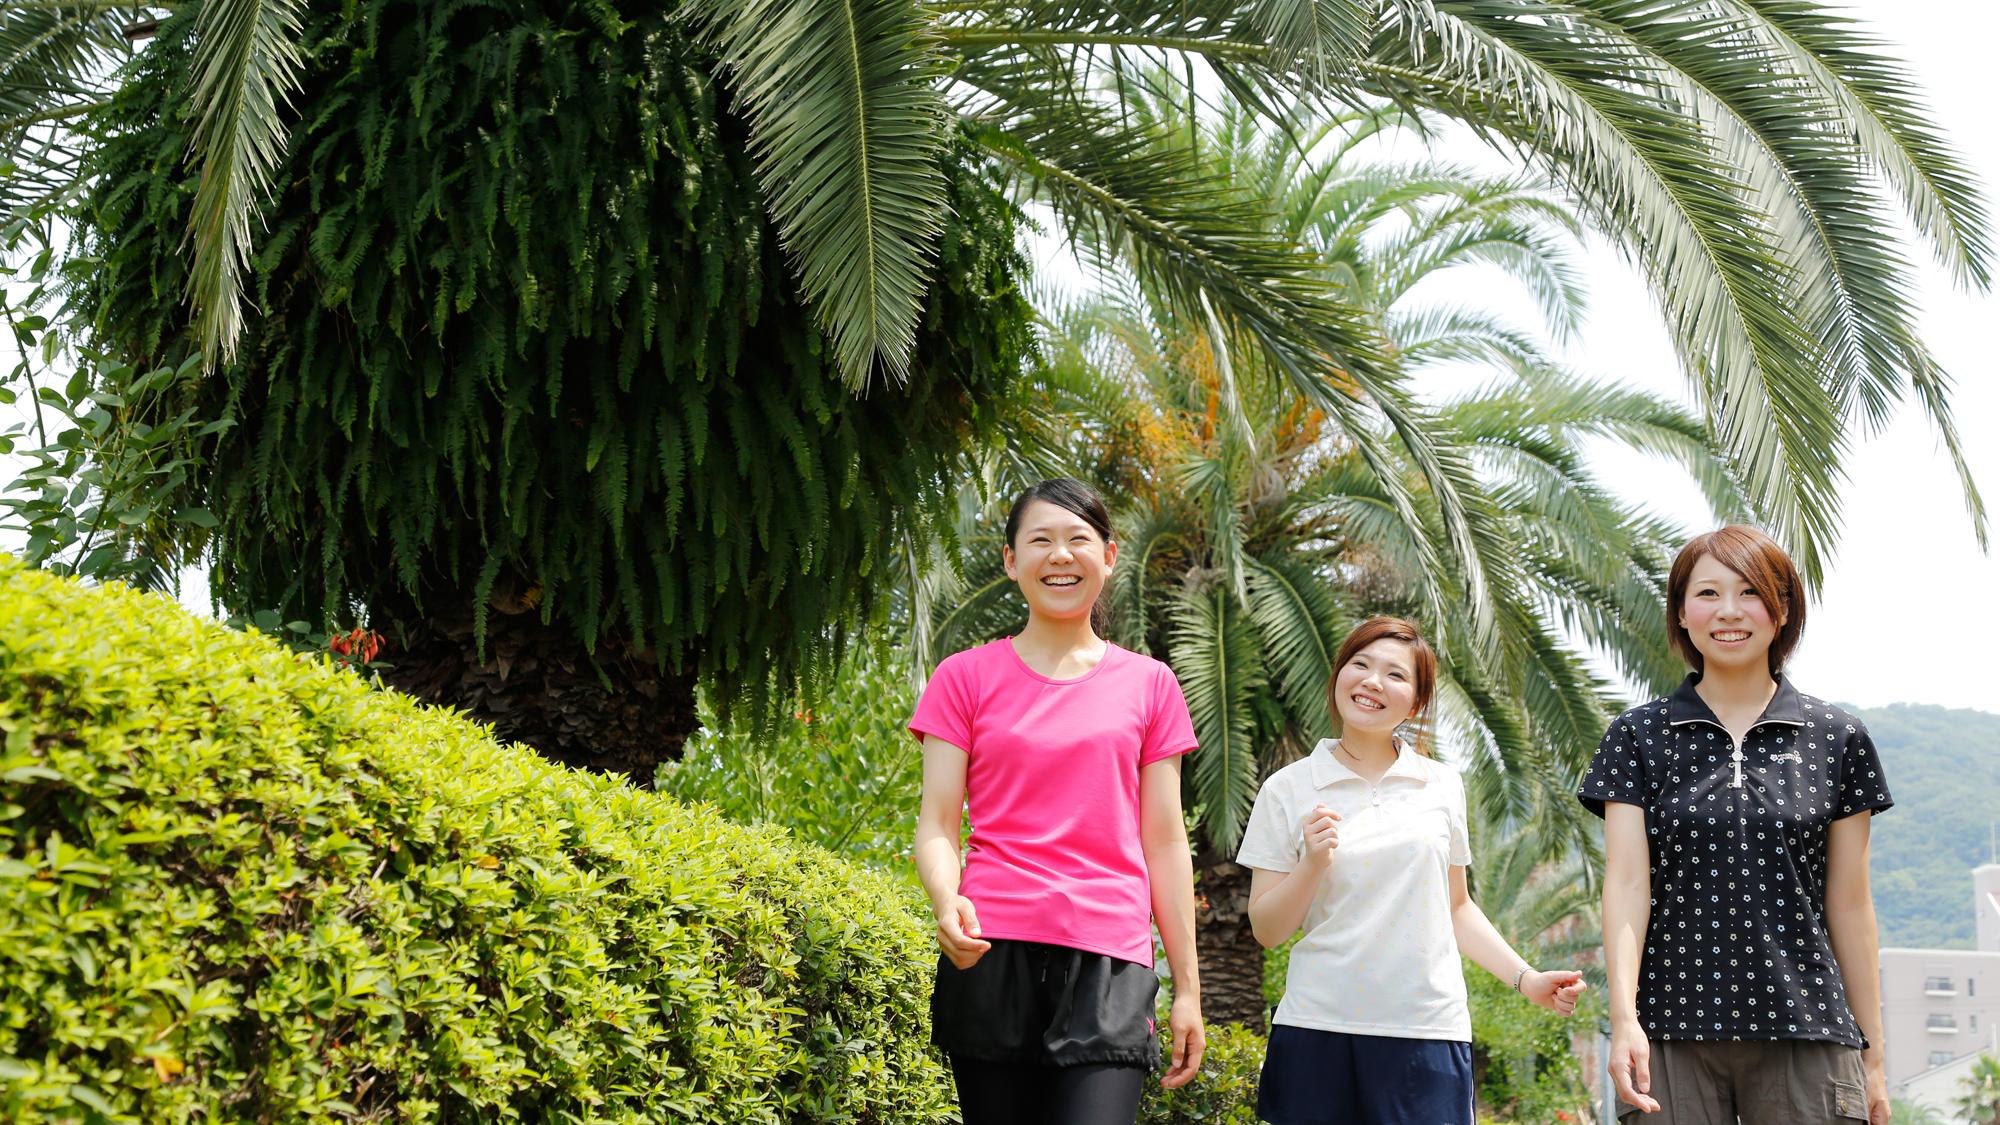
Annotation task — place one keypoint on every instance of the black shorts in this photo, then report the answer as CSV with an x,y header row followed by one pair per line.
x,y
1027,1002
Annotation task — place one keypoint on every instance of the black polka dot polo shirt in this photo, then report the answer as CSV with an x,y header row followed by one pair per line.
x,y
1736,947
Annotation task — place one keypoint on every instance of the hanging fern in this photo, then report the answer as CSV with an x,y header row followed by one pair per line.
x,y
521,322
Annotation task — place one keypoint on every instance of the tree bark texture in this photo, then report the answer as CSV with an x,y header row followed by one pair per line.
x,y
612,711
1232,963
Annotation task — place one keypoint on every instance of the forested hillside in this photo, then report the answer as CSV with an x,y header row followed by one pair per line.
x,y
1944,771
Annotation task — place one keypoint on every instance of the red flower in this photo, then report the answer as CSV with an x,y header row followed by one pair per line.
x,y
357,645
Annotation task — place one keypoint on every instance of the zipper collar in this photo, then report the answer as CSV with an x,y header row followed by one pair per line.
x,y
1686,706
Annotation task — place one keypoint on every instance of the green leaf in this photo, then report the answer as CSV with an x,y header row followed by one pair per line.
x,y
246,63
846,124
1216,658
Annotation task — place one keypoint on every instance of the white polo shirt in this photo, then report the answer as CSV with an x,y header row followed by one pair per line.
x,y
1378,956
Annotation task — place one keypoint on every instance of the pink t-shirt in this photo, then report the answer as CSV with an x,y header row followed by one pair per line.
x,y
1052,783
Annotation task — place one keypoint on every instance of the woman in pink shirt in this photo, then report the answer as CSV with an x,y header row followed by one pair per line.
x,y
1066,751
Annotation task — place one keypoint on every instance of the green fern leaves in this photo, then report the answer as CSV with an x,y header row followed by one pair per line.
x,y
521,313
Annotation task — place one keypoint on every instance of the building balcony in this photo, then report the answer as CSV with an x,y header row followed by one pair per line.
x,y
1946,993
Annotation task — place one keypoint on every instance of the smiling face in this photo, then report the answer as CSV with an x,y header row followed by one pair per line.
x,y
1730,624
1377,688
1059,560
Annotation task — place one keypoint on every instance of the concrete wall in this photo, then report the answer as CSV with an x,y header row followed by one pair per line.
x,y
1959,987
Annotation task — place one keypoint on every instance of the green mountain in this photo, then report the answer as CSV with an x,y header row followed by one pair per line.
x,y
1944,771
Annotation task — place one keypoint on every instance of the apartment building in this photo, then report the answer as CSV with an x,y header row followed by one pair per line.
x,y
1942,1005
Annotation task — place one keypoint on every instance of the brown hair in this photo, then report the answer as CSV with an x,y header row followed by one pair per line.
x,y
1763,564
1424,663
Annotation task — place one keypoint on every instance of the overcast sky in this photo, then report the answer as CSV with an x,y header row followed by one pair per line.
x,y
1911,608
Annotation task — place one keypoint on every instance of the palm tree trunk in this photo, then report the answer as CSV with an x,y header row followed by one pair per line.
x,y
611,711
1232,963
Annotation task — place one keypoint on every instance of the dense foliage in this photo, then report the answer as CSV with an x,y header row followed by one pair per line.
x,y
1944,771
522,326
845,775
1224,1092
237,881
1523,1056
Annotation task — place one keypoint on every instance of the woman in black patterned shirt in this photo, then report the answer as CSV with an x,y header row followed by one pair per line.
x,y
1739,932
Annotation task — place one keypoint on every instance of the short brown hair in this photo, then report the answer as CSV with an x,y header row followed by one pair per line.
x,y
1763,564
1424,661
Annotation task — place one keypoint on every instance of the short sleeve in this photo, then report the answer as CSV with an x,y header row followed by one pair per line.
x,y
1169,728
1617,771
1864,786
1271,840
1461,836
946,707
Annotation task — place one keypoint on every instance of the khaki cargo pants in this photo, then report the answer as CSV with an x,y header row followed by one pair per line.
x,y
1754,1082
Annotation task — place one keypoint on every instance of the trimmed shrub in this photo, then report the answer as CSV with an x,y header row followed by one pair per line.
x,y
237,884
1223,1092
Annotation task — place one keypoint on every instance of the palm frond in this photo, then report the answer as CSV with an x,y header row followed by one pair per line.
x,y
1301,625
57,63
1318,36
246,62
1216,658
846,121
1586,100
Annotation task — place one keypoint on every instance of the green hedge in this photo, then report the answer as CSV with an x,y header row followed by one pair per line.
x,y
238,885
1523,1056
1223,1092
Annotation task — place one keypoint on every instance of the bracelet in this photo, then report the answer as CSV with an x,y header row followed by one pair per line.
x,y
1518,976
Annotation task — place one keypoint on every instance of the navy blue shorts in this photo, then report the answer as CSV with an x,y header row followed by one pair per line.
x,y
1332,1078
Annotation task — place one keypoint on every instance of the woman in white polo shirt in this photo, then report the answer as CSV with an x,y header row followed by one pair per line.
x,y
1363,842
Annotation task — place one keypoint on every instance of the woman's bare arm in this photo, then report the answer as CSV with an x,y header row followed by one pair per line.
x,y
939,815
1479,939
1279,900
1163,834
1850,923
1628,906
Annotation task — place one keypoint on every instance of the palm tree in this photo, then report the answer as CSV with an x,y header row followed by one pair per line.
x,y
1909,1111
1255,533
1764,243
1746,155
527,387
1980,1104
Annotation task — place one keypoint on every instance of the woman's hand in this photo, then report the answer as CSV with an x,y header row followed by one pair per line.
x,y
1190,1040
1322,836
1558,990
958,932
1878,1094
1630,1067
